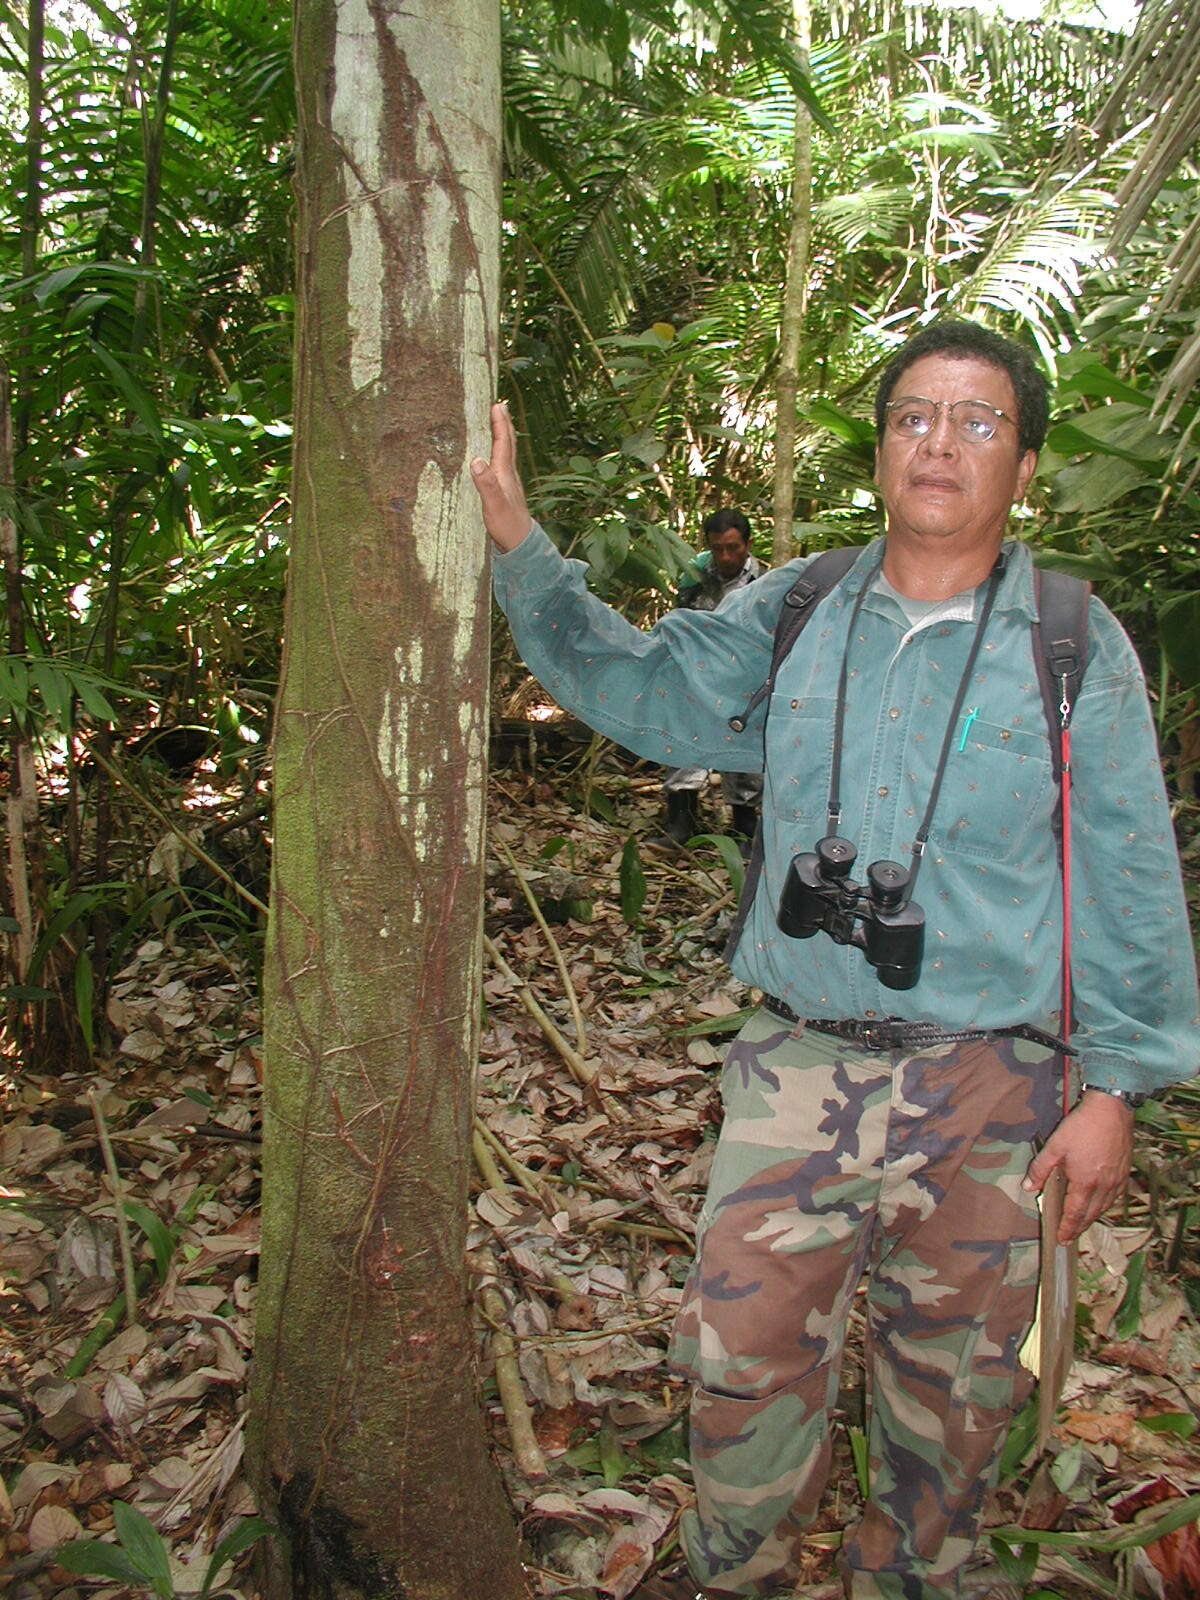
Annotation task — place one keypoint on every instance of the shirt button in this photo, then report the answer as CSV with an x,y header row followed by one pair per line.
x,y
795,705
1005,734
883,792
869,1014
894,712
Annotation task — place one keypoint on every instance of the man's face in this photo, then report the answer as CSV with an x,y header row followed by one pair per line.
x,y
729,552
943,486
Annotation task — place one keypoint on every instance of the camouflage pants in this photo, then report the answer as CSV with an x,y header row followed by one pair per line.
x,y
834,1161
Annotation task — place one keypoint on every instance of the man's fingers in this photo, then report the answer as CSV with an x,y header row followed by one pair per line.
x,y
1040,1168
1078,1211
504,439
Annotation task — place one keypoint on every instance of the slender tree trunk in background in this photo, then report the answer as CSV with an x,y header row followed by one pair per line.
x,y
795,304
367,1442
31,209
21,805
153,143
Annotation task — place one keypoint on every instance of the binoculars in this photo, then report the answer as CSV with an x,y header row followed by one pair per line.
x,y
819,896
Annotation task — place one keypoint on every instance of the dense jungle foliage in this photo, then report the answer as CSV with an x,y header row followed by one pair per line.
x,y
1037,173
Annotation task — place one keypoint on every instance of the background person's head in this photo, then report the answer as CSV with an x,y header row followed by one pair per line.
x,y
966,341
727,534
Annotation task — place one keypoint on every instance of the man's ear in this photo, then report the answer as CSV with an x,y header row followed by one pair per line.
x,y
1025,471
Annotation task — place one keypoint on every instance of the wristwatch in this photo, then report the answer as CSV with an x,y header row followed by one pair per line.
x,y
1133,1101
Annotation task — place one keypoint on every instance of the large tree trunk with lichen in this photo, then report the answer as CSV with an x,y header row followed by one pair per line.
x,y
366,1440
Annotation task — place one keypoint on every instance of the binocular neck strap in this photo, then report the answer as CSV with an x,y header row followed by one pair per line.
x,y
839,721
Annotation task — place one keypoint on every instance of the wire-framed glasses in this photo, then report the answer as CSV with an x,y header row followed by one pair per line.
x,y
912,417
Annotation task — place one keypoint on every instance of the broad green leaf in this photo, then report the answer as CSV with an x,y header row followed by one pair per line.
x,y
1066,1466
93,700
1021,1437
730,854
1090,486
162,1241
14,683
633,881
145,1547
85,985
850,429
1180,1423
1099,383
1129,1312
246,1533
55,689
1179,631
138,399
1095,568
614,1463
60,278
90,1558
730,1022
1120,429
79,905
644,447
861,1451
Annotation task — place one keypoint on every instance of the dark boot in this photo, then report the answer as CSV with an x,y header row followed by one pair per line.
x,y
682,823
744,820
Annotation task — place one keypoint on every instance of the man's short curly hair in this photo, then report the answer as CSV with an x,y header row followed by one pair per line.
x,y
964,340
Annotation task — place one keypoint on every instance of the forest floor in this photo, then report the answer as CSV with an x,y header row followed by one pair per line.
x,y
593,1149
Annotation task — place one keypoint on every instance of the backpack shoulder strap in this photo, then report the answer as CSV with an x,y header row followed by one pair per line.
x,y
821,574
1060,650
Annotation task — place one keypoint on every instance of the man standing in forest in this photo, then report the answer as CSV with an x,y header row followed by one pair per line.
x,y
723,567
883,1108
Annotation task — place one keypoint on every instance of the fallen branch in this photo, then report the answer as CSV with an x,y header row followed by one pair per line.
x,y
526,1450
118,1189
528,1180
539,917
582,1071
105,1328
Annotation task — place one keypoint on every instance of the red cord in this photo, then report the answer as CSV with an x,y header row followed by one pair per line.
x,y
1067,1021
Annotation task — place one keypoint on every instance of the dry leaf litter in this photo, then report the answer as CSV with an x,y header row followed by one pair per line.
x,y
592,1161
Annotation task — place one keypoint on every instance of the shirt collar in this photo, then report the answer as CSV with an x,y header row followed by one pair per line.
x,y
1016,584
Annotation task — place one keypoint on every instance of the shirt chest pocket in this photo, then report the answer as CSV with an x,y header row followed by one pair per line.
x,y
999,794
799,759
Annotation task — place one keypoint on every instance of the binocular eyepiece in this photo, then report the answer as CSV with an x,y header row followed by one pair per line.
x,y
819,896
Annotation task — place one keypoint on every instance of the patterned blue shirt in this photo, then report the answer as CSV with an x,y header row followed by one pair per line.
x,y
989,882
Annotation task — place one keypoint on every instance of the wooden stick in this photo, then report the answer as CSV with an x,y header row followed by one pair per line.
x,y
528,1180
582,1071
640,1230
118,1189
526,1449
492,1177
539,915
188,843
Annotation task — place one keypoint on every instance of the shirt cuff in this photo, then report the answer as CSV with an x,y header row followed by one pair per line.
x,y
1108,1069
510,567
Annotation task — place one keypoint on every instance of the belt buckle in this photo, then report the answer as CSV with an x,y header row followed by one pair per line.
x,y
878,1036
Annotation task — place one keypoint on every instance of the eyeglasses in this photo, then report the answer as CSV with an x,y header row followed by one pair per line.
x,y
912,417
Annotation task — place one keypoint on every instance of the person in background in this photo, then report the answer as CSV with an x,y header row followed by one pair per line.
x,y
724,567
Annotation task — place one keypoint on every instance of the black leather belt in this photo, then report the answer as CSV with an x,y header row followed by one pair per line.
x,y
893,1033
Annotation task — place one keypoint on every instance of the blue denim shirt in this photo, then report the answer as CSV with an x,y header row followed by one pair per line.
x,y
989,882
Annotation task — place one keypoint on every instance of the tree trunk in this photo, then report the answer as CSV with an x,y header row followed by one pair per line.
x,y
367,1442
21,806
795,304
